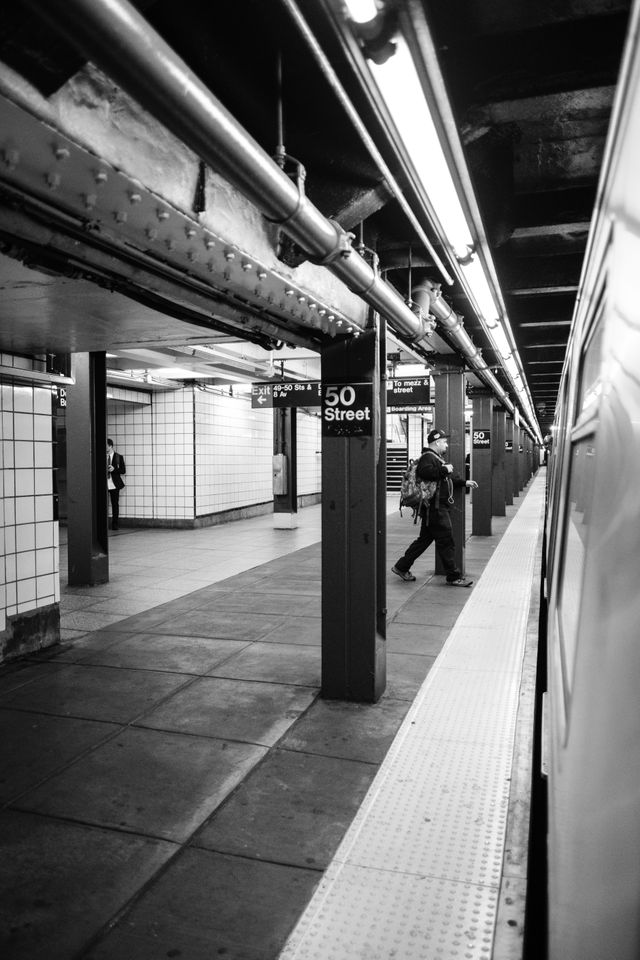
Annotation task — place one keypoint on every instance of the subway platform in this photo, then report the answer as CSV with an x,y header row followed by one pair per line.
x,y
172,784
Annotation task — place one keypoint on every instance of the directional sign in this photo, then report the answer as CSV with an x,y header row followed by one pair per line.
x,y
261,395
286,394
347,410
408,409
409,392
297,394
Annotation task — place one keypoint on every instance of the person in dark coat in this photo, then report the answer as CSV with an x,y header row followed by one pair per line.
x,y
115,469
435,522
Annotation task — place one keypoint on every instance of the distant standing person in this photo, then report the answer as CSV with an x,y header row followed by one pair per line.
x,y
115,469
435,519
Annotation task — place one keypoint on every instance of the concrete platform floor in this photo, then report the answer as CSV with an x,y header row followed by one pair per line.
x,y
172,785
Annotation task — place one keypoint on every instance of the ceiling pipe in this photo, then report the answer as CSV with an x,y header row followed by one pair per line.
x,y
430,299
112,34
332,79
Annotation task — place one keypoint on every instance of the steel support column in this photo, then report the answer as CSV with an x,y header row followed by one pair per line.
x,y
518,472
449,416
354,535
88,539
481,453
285,474
498,499
508,461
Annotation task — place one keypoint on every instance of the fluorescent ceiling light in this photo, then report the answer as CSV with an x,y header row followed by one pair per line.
x,y
362,11
410,370
481,291
401,90
410,112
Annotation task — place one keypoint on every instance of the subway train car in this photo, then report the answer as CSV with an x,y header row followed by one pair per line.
x,y
591,741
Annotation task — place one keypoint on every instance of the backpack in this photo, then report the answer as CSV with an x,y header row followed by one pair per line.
x,y
415,492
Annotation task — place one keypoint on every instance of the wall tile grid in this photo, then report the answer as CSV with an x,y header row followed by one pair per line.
x,y
415,435
234,446
233,456
130,426
154,434
29,562
173,454
309,454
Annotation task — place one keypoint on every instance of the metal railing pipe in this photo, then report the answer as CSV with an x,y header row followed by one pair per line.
x,y
430,299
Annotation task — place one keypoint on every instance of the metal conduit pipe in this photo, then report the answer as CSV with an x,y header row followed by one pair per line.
x,y
118,39
430,299
332,79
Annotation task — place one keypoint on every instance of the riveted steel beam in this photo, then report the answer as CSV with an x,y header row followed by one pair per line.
x,y
114,211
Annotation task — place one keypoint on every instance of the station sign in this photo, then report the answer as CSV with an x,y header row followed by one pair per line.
x,y
305,393
59,396
508,445
408,392
347,410
481,440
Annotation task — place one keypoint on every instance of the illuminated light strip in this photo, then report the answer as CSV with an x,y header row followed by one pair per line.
x,y
400,87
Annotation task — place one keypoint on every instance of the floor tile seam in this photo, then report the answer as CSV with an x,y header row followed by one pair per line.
x,y
245,858
428,746
504,621
136,725
181,847
88,662
420,876
286,643
94,825
285,748
312,923
269,683
124,724
67,764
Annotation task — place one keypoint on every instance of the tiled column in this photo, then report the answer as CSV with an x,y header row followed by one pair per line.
x,y
29,582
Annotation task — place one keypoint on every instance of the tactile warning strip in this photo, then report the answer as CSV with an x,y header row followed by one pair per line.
x,y
417,875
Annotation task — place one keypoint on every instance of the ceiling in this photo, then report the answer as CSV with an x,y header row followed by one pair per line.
x,y
530,85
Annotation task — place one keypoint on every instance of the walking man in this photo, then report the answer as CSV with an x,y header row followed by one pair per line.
x,y
435,521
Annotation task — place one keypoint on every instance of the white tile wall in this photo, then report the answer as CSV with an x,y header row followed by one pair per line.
x,y
233,453
29,560
229,467
309,453
415,443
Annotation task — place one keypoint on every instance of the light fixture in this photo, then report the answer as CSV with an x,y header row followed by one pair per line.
x,y
362,11
410,112
400,87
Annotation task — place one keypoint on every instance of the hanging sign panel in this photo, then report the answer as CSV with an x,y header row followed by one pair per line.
x,y
297,394
347,410
408,392
261,395
286,394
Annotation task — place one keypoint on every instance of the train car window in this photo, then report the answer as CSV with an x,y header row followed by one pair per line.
x,y
589,386
582,471
577,505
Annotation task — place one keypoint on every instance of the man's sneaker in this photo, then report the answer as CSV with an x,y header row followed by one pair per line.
x,y
460,582
403,574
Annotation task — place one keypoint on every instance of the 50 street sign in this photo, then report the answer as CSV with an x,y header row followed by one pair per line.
x,y
347,410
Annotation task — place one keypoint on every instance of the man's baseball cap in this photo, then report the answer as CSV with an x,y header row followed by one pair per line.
x,y
437,435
